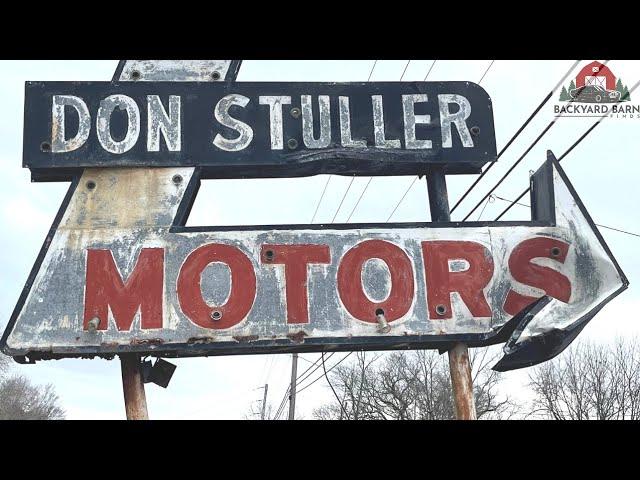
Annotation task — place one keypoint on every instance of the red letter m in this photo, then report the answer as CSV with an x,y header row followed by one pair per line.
x,y
143,290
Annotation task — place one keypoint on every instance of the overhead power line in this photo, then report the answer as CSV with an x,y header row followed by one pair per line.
x,y
517,162
574,145
597,224
516,135
371,178
414,180
486,71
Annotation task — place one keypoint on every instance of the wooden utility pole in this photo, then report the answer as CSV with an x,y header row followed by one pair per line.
x,y
459,365
292,390
135,400
264,401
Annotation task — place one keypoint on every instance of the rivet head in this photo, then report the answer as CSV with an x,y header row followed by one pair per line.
x,y
216,315
91,185
177,179
295,112
45,147
555,251
475,131
292,143
93,324
269,255
441,309
136,75
215,75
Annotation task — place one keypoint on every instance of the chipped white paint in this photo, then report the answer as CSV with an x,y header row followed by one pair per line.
x,y
132,209
411,120
378,125
245,132
175,70
324,139
159,121
103,123
275,103
458,118
345,126
58,141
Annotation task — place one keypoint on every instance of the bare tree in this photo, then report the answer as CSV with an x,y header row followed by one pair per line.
x,y
410,385
589,381
21,400
255,411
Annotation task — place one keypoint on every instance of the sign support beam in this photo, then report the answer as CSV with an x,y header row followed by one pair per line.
x,y
135,400
459,366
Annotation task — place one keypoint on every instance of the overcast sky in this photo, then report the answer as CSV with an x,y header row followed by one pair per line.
x,y
604,170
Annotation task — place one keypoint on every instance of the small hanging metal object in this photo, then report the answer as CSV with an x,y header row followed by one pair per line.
x,y
93,324
383,325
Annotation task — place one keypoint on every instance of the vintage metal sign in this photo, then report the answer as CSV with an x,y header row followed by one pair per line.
x,y
124,274
248,129
120,272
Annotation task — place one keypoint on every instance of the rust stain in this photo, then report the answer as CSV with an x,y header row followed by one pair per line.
x,y
201,340
146,341
245,338
109,344
297,337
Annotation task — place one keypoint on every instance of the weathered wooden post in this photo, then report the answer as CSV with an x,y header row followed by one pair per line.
x,y
459,365
135,400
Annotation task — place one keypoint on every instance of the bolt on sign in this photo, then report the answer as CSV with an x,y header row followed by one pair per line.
x,y
120,271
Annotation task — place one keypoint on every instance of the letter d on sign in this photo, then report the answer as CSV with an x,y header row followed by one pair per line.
x,y
58,142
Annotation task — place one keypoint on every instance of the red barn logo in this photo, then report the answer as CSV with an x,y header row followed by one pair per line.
x,y
595,83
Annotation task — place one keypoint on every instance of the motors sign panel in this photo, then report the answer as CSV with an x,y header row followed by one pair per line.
x,y
121,275
249,129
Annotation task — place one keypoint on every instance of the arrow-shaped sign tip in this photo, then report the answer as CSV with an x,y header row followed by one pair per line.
x,y
549,325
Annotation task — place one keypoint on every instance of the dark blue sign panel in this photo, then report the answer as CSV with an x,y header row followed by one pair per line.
x,y
266,129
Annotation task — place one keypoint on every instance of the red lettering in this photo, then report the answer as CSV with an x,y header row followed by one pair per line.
x,y
350,288
522,270
295,259
241,296
143,290
468,283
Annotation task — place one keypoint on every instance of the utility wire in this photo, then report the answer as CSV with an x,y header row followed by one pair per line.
x,y
574,145
516,135
597,224
486,71
429,71
328,179
299,379
517,162
343,197
401,199
414,180
405,70
320,201
563,155
333,389
375,62
359,198
490,199
367,185
334,366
